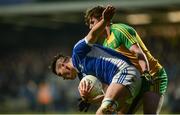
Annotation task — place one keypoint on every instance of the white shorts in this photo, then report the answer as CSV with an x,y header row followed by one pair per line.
x,y
129,77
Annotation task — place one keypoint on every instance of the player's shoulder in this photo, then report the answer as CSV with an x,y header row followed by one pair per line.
x,y
122,27
82,41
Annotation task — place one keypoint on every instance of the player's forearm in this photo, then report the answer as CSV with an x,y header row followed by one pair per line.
x,y
93,35
142,59
97,30
143,62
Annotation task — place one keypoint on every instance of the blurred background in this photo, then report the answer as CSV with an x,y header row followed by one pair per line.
x,y
33,31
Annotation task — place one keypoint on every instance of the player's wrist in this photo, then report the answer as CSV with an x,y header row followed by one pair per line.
x,y
83,105
146,74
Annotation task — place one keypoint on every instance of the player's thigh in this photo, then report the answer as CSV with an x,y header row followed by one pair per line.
x,y
152,102
117,92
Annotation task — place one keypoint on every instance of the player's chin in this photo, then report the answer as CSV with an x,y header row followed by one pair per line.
x,y
72,76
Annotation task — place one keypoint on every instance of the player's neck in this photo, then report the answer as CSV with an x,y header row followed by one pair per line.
x,y
100,41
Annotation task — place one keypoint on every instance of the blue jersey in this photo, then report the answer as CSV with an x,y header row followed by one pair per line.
x,y
98,61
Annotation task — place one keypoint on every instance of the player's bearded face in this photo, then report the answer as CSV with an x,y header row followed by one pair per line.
x,y
65,68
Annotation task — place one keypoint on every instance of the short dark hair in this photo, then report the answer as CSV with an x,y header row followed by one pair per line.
x,y
93,12
54,61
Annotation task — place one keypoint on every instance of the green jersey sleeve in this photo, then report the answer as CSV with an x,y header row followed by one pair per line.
x,y
125,34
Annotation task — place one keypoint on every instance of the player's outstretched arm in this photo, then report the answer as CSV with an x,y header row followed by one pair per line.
x,y
100,26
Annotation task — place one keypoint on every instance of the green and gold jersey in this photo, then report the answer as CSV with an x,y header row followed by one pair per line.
x,y
122,38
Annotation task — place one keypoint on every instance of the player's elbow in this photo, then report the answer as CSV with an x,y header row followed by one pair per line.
x,y
91,38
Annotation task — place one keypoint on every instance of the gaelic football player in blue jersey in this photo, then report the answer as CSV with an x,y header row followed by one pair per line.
x,y
114,70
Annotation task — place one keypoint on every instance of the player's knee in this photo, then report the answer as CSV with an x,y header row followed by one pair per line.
x,y
109,106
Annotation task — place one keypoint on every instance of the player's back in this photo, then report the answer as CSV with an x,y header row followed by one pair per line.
x,y
98,61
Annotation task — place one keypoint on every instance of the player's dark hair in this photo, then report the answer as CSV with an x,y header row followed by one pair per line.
x,y
54,61
95,12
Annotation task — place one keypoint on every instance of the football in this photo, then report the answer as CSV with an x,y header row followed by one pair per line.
x,y
95,83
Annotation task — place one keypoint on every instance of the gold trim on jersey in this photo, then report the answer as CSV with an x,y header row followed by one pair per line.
x,y
111,38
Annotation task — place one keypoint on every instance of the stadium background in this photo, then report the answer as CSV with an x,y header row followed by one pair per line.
x,y
33,31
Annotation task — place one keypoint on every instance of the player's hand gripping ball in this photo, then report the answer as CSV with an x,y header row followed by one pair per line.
x,y
95,84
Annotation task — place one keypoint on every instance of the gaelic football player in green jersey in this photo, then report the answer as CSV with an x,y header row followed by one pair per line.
x,y
124,39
